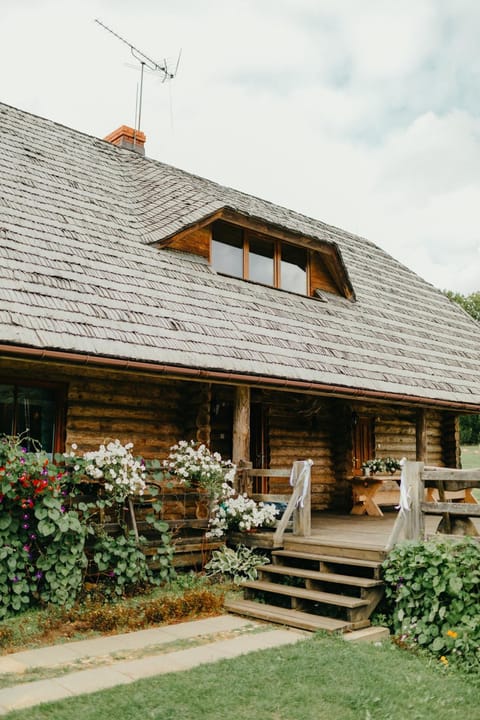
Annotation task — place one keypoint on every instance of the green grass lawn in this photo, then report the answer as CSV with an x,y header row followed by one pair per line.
x,y
320,679
470,456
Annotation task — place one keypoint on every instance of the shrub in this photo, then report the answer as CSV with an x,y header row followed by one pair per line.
x,y
41,540
44,530
238,565
433,596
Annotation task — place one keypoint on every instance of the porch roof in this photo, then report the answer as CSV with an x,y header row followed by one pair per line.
x,y
79,274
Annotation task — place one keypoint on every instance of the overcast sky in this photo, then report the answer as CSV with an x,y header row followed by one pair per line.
x,y
362,113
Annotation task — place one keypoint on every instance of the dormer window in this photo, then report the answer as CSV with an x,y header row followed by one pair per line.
x,y
255,250
251,256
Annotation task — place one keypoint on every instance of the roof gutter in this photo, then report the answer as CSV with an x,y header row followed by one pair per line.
x,y
264,381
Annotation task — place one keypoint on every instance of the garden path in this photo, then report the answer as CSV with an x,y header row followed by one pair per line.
x,y
48,674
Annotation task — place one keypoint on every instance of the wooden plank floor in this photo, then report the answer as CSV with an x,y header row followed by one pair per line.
x,y
360,530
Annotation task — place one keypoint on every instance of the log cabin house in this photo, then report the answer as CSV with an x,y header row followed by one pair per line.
x,y
142,302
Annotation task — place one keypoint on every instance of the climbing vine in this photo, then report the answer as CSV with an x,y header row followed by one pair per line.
x,y
52,536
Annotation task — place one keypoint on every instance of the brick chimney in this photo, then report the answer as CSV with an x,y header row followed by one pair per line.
x,y
127,137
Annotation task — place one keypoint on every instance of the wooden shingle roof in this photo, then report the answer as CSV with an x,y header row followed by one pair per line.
x,y
79,273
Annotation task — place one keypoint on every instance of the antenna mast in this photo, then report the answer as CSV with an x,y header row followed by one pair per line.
x,y
144,61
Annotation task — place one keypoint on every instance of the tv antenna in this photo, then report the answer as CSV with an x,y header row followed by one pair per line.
x,y
145,62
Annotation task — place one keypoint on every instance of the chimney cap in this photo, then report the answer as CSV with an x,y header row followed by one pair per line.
x,y
127,137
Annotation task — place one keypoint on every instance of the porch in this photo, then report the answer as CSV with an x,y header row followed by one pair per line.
x,y
327,573
340,528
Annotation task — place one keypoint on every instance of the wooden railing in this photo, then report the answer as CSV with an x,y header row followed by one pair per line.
x,y
301,512
410,522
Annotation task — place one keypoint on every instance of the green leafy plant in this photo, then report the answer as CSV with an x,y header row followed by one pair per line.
x,y
433,598
41,539
118,563
239,564
47,528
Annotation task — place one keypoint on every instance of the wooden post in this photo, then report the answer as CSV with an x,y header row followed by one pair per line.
x,y
302,517
421,435
410,522
242,482
414,525
241,425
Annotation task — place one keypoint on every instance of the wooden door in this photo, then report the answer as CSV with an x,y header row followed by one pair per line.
x,y
363,441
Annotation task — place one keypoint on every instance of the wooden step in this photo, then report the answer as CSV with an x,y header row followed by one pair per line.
x,y
338,549
284,616
334,559
346,601
320,576
372,634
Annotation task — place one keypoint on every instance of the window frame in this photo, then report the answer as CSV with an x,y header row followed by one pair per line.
x,y
249,235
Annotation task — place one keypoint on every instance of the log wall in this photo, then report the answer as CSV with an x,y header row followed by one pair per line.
x,y
300,429
395,432
149,411
153,413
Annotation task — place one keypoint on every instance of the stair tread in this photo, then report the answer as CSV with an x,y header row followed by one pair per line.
x,y
315,544
315,595
319,540
285,616
337,559
320,576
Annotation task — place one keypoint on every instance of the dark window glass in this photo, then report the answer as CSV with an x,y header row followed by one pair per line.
x,y
227,249
7,405
260,261
28,411
293,270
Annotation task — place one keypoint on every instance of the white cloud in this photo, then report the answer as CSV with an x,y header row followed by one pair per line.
x,y
363,114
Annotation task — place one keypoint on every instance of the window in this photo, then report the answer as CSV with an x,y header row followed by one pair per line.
x,y
249,255
261,260
33,413
293,269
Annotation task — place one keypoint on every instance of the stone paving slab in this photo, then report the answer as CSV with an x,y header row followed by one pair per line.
x,y
123,672
105,645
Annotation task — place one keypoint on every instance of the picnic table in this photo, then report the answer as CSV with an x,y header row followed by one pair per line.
x,y
371,491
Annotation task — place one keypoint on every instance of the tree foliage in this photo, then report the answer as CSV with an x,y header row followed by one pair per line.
x,y
470,303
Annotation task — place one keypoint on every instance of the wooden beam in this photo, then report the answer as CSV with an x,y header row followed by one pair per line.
x,y
463,509
421,435
241,425
465,478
